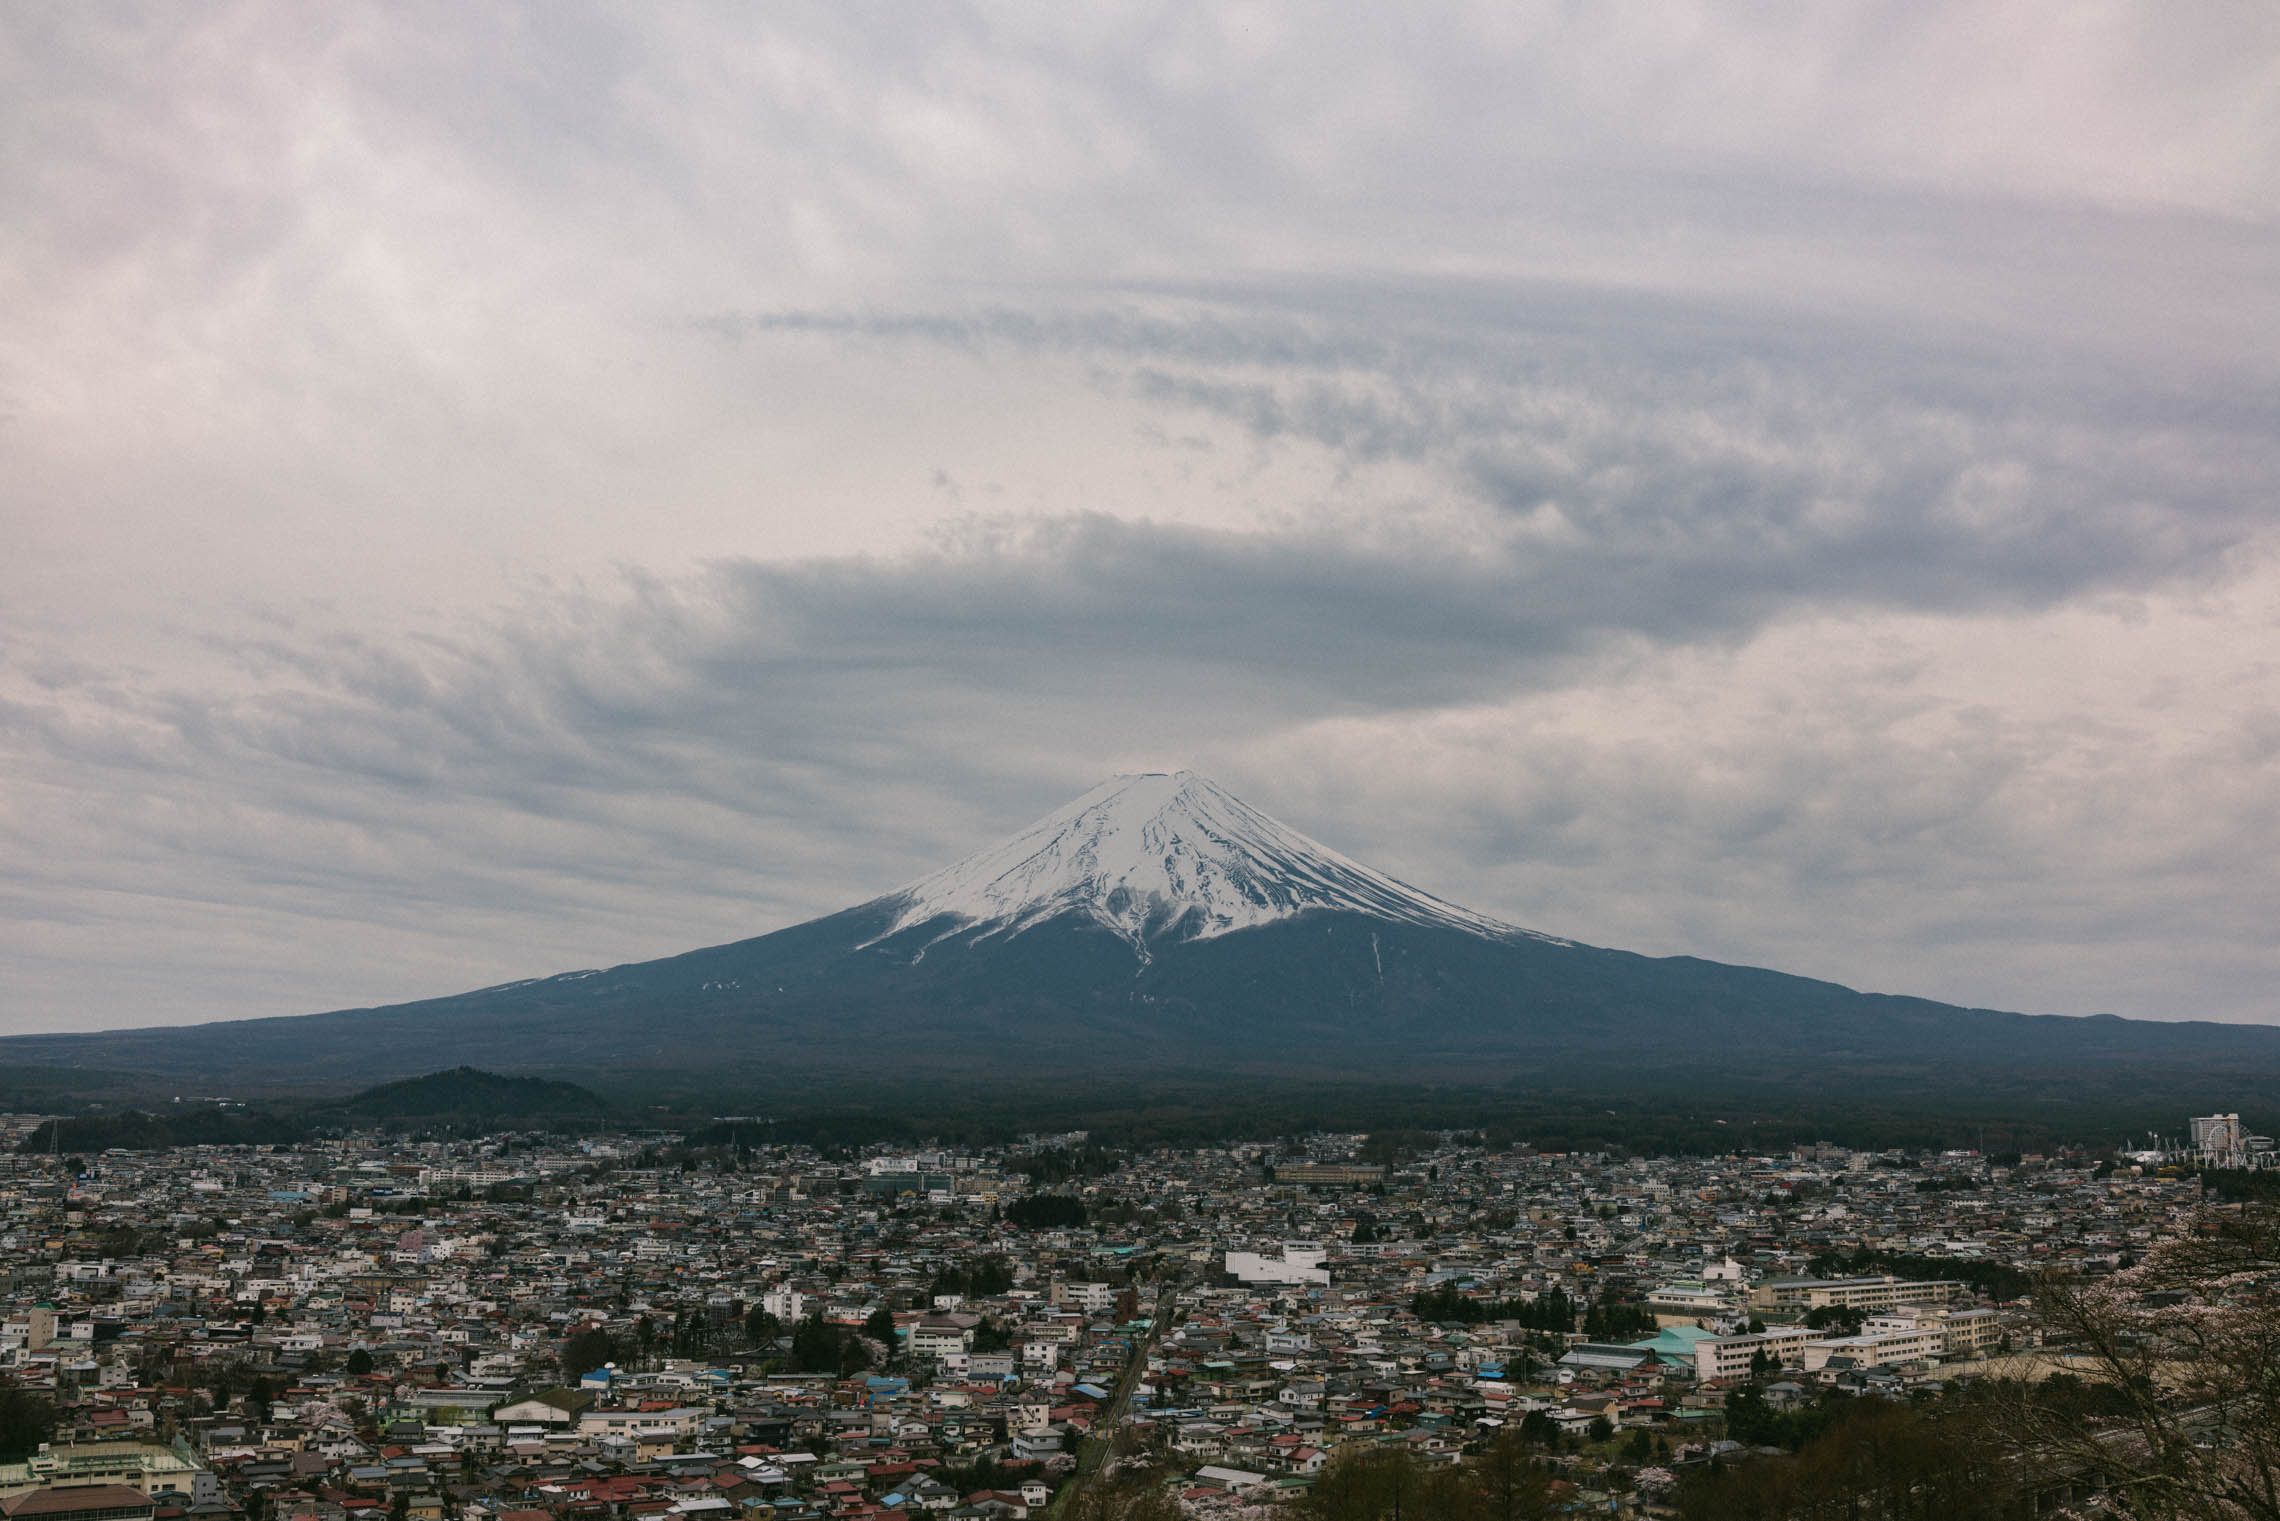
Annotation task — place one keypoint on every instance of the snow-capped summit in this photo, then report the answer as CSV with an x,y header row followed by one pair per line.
x,y
1161,855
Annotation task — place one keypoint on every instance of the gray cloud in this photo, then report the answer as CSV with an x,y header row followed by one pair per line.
x,y
2038,811
1685,470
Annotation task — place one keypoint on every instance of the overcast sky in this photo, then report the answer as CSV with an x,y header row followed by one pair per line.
x,y
488,490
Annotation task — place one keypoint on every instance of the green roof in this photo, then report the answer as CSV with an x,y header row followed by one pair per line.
x,y
1674,1341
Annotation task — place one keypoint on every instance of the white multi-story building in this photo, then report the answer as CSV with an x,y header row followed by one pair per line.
x,y
1871,1294
938,1339
1727,1357
153,1468
1898,1342
1971,1333
641,1424
1092,1297
1910,1336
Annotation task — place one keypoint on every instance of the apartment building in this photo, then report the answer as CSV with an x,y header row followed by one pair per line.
x,y
1870,1294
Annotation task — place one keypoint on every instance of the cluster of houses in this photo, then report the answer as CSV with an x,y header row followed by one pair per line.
x,y
542,1329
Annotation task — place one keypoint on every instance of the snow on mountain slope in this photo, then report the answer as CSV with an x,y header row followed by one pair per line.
x,y
1160,855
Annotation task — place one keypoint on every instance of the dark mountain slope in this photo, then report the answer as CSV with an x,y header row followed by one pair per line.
x,y
1159,926
1320,995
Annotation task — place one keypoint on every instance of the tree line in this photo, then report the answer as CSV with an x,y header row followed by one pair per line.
x,y
1552,1310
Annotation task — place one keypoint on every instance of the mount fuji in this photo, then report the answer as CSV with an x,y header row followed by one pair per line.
x,y
1158,926
1160,856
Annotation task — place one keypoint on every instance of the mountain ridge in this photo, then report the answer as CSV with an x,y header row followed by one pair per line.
x,y
1103,941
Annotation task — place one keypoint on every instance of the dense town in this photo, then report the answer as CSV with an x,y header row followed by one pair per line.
x,y
529,1327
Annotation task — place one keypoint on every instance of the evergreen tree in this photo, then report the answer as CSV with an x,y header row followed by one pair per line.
x,y
1507,1482
26,1420
586,1351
